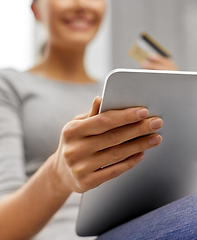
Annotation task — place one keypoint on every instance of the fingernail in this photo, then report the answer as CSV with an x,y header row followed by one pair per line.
x,y
155,140
142,113
139,157
156,123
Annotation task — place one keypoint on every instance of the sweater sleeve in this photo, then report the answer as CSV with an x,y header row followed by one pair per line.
x,y
12,171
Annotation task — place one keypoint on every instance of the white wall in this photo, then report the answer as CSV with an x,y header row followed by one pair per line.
x,y
16,34
172,22
190,26
18,40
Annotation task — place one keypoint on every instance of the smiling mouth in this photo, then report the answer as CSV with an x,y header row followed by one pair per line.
x,y
78,24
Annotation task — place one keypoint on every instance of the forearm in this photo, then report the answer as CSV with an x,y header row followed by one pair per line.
x,y
25,212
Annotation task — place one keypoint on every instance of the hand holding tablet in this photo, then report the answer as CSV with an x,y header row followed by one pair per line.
x,y
99,148
169,171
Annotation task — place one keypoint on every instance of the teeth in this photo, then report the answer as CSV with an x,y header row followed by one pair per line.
x,y
79,23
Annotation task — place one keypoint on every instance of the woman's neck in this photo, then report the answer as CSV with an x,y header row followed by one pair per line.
x,y
63,64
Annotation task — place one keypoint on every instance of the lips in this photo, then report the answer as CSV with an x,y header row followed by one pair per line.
x,y
78,24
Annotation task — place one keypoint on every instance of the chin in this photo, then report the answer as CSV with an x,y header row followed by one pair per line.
x,y
79,45
79,41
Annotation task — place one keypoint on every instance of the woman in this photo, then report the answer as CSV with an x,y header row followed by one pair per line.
x,y
36,112
47,159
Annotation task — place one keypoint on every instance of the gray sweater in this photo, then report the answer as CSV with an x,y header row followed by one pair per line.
x,y
33,110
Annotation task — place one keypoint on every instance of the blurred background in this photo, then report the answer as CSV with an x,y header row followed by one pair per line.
x,y
172,22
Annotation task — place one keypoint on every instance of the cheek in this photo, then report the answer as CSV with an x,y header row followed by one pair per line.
x,y
54,11
100,9
55,8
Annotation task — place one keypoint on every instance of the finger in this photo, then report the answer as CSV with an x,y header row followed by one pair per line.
x,y
115,170
166,62
95,179
126,133
123,151
156,58
103,175
94,110
157,62
109,120
156,66
95,107
98,145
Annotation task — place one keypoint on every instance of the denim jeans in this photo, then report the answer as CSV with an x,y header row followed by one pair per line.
x,y
177,220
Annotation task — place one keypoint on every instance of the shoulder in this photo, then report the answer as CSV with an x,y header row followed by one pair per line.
x,y
10,75
10,83
15,80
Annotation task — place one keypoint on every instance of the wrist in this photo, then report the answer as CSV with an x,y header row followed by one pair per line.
x,y
55,180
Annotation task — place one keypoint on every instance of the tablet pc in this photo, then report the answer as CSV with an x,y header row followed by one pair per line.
x,y
169,171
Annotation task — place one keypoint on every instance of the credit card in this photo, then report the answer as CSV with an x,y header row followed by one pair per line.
x,y
146,45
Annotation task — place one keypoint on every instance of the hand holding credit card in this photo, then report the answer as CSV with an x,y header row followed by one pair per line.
x,y
144,46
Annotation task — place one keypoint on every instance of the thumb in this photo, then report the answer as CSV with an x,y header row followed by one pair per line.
x,y
95,107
